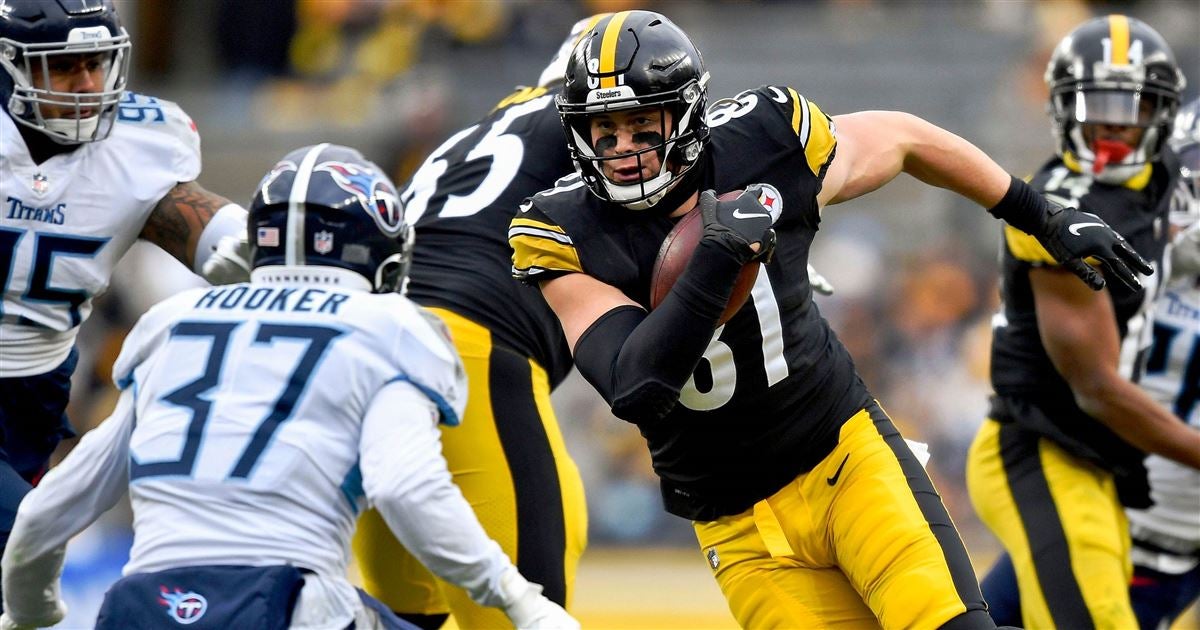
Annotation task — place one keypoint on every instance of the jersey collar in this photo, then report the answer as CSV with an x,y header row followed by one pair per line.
x,y
310,275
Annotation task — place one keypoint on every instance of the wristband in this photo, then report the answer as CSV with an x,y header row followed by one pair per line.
x,y
1022,207
229,220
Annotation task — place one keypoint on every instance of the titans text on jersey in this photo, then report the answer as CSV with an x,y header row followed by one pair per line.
x,y
67,222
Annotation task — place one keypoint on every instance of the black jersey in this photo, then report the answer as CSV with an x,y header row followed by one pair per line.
x,y
775,385
463,198
1029,390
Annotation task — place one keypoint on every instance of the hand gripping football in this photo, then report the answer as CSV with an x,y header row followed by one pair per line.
x,y
676,251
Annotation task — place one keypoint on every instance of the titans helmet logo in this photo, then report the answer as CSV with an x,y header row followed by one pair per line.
x,y
184,607
373,191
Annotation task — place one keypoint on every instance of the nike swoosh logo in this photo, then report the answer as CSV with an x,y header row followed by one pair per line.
x,y
832,480
738,214
1075,227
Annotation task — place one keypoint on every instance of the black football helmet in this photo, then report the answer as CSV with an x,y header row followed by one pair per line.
x,y
327,205
35,35
1113,70
632,60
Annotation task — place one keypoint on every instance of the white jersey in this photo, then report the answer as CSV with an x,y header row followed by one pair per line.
x,y
66,223
1172,376
249,402
253,421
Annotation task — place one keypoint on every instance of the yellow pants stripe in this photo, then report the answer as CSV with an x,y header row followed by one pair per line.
x,y
848,544
1034,495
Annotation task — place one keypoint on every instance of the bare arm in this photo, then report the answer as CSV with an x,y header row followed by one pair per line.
x,y
874,147
1079,331
180,217
579,300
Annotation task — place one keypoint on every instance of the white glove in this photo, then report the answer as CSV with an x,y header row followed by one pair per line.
x,y
818,282
60,611
229,261
528,609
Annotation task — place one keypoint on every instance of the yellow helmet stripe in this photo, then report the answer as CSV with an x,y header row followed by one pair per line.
x,y
608,49
592,22
1118,28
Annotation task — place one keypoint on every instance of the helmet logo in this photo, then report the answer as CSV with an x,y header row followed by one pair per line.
x,y
88,34
323,242
373,191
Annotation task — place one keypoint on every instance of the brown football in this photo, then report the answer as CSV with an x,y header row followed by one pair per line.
x,y
676,251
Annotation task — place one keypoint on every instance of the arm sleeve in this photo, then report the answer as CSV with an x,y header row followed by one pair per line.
x,y
70,497
405,478
639,362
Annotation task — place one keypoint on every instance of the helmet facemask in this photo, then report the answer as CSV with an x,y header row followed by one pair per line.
x,y
31,68
677,144
1112,161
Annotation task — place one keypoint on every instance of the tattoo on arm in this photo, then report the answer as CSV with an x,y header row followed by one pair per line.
x,y
176,222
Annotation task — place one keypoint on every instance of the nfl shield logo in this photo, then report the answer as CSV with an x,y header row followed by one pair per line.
x,y
41,184
714,560
323,242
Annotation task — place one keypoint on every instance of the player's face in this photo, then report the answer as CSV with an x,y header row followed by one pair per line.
x,y
74,74
1129,135
626,133
1125,134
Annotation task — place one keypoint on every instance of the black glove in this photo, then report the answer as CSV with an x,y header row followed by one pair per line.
x,y
1071,235
736,224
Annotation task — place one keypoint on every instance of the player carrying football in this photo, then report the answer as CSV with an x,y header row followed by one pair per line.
x,y
808,505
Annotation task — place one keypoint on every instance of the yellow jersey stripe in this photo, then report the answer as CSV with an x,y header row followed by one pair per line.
x,y
1118,28
821,141
797,114
1025,247
608,50
532,252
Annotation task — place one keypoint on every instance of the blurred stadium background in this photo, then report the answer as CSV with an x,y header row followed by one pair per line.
x,y
914,267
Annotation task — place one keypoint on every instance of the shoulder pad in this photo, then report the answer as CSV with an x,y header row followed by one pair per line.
x,y
167,118
812,126
539,243
428,360
149,333
804,122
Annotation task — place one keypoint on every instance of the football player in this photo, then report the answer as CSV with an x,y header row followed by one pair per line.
x,y
1166,536
86,168
268,415
509,457
1061,453
808,505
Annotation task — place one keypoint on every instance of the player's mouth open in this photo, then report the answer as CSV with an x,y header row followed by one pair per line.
x,y
627,174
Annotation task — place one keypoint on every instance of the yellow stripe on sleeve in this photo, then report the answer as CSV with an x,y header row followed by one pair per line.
x,y
821,142
541,246
1025,247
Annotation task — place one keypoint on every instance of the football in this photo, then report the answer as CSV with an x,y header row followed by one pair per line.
x,y
676,251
